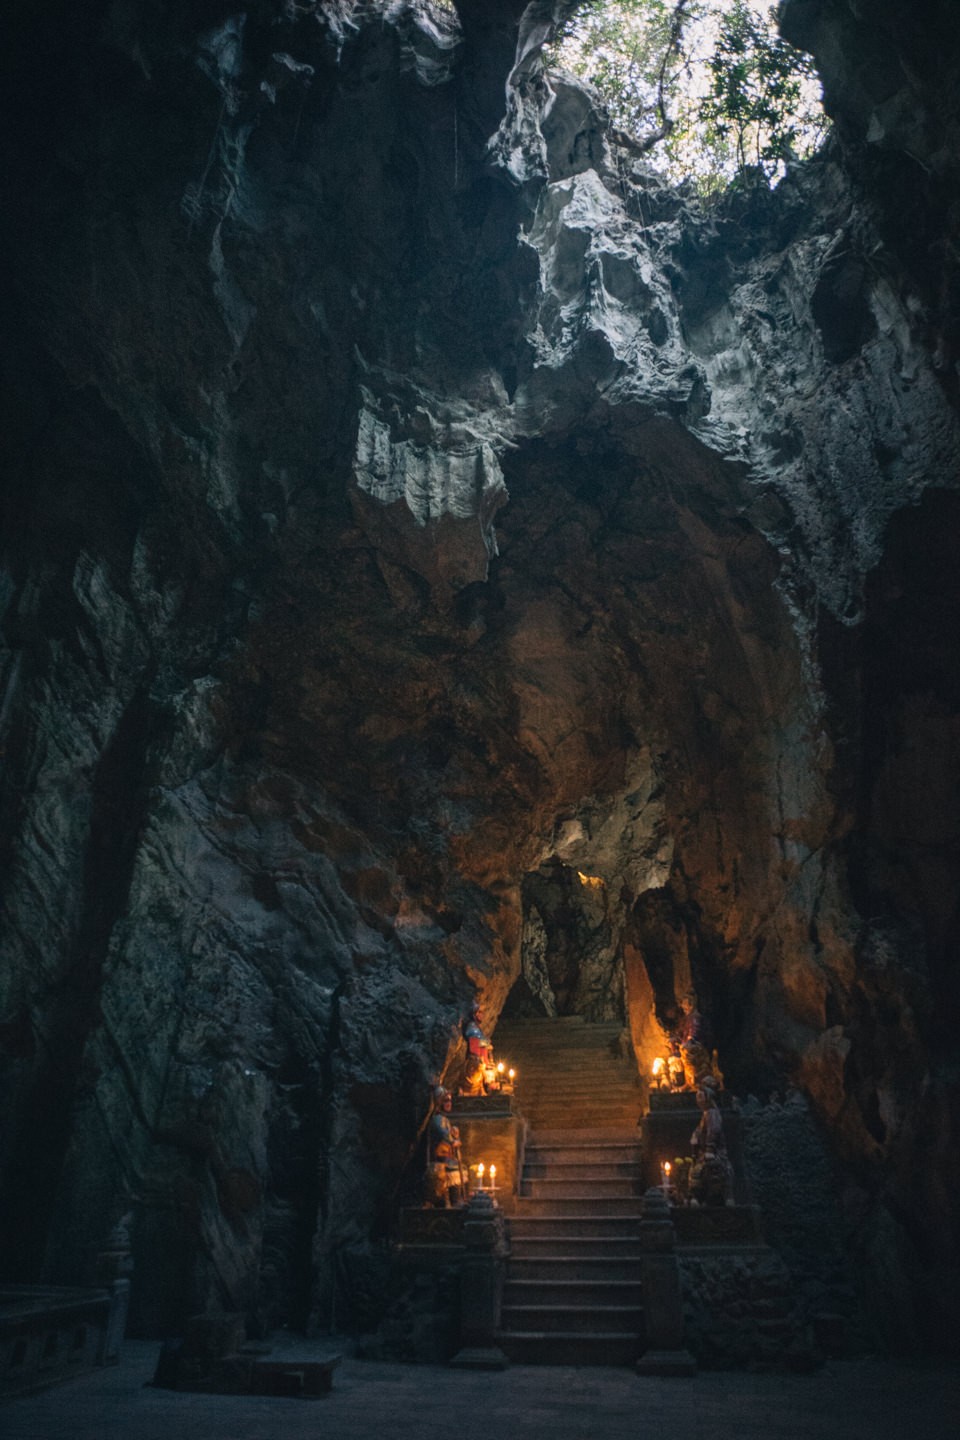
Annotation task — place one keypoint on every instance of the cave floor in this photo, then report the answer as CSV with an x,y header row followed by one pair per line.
x,y
869,1399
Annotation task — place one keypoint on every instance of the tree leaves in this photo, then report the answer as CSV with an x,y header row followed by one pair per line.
x,y
709,87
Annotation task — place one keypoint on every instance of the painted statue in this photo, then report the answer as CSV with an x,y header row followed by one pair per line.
x,y
444,1171
480,1051
690,1042
712,1174
472,1082
676,1077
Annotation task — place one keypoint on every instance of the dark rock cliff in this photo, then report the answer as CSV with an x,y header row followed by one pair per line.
x,y
412,506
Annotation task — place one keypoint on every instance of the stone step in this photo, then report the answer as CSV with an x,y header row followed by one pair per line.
x,y
594,1110
570,1066
563,1029
564,1049
558,1228
598,1122
563,1061
533,1242
575,1319
600,1092
583,1124
593,1072
595,1206
540,1348
579,1170
543,1023
543,1290
600,1154
535,1264
594,1079
547,1137
569,1063
583,1163
558,1187
568,1071
597,1096
581,1121
573,1062
568,1055
600,1102
598,1109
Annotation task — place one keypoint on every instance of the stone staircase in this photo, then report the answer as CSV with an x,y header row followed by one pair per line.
x,y
573,1294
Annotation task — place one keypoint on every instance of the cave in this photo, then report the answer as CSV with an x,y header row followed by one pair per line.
x,y
444,561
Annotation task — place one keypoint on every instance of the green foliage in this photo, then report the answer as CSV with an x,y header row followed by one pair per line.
x,y
756,97
621,49
708,86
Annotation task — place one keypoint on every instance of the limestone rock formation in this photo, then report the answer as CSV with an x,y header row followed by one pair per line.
x,y
424,528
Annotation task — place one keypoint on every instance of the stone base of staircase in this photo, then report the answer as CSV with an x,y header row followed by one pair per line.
x,y
530,1347
480,1357
667,1362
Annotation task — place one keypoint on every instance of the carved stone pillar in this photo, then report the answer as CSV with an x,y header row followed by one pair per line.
x,y
662,1297
481,1286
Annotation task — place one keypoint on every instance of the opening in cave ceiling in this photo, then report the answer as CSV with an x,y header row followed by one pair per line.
x,y
705,89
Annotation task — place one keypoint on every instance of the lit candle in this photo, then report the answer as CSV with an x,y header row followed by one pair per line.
x,y
658,1072
512,1074
493,1177
665,1172
480,1168
500,1068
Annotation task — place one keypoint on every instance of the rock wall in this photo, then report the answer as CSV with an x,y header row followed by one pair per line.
x,y
409,496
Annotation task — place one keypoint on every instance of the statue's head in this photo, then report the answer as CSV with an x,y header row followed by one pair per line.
x,y
688,1002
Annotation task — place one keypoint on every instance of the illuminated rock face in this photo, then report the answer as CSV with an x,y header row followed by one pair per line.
x,y
399,530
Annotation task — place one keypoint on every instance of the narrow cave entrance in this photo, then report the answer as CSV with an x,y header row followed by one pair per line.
x,y
570,961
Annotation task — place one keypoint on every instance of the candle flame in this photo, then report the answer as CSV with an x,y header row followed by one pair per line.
x,y
657,1065
511,1073
500,1067
493,1173
666,1167
480,1169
